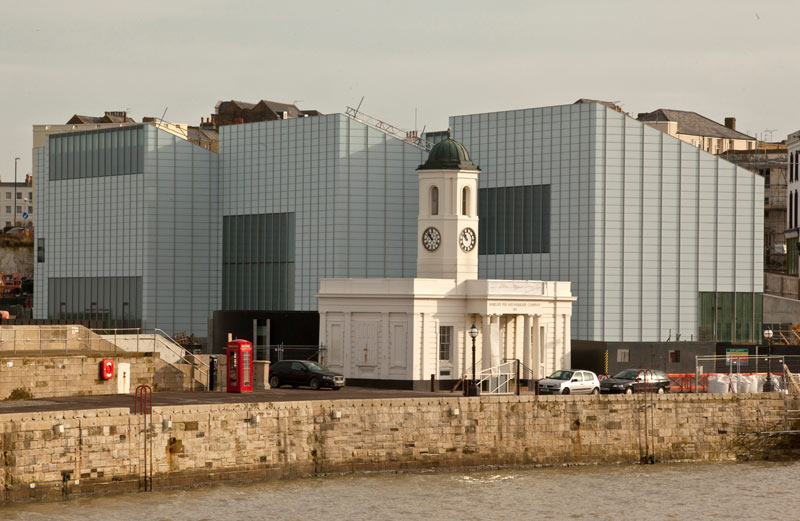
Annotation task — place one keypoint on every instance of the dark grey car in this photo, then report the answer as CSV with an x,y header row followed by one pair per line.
x,y
632,381
303,372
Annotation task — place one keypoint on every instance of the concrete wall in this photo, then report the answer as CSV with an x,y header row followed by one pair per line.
x,y
780,285
65,453
779,310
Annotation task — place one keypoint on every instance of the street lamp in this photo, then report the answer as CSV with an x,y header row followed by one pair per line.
x,y
15,190
768,381
473,386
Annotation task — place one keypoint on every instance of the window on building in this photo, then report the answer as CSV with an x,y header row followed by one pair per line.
x,y
729,317
8,210
258,262
40,250
674,357
434,201
514,219
623,356
465,201
795,208
30,209
445,342
19,195
8,195
19,209
30,196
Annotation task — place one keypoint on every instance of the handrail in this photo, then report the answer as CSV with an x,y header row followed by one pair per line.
x,y
497,373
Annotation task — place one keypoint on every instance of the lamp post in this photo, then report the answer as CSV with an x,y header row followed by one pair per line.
x,y
768,381
15,190
473,386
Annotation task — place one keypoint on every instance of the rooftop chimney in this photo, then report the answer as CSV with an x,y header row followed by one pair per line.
x,y
730,123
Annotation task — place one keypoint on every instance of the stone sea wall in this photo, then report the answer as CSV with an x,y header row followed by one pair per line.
x,y
47,376
69,453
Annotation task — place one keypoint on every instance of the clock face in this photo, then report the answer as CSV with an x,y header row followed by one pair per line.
x,y
467,239
431,238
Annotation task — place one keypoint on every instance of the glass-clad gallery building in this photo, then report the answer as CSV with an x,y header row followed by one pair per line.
x,y
128,233
658,238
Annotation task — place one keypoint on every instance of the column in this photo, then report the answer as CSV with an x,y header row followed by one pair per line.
x,y
384,348
495,340
421,352
527,364
537,361
347,348
323,338
566,360
486,343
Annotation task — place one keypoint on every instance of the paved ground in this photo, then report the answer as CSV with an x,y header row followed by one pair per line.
x,y
284,394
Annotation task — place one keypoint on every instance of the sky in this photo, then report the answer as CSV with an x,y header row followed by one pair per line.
x,y
414,63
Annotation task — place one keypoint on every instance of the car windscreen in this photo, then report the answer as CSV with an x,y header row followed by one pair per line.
x,y
561,375
627,374
314,366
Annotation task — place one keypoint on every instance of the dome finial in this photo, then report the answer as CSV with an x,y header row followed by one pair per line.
x,y
448,154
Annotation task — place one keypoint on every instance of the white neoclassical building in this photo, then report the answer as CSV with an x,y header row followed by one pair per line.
x,y
402,331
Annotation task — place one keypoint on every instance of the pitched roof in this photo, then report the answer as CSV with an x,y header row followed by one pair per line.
x,y
693,124
108,117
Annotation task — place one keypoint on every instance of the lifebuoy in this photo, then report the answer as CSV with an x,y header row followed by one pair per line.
x,y
107,369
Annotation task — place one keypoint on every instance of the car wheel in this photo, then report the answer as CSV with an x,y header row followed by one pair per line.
x,y
565,390
274,382
660,390
314,384
629,390
596,390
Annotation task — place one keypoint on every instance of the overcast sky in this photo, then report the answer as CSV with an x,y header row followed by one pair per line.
x,y
438,58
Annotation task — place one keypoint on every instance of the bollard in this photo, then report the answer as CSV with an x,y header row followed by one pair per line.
x,y
433,383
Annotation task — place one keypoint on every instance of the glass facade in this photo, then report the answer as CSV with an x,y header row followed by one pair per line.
x,y
109,299
160,226
80,155
258,262
514,219
639,222
730,317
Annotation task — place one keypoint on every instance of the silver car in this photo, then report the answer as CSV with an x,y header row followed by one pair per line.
x,y
570,382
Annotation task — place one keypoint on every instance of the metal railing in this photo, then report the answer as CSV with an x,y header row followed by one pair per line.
x,y
278,352
500,379
737,366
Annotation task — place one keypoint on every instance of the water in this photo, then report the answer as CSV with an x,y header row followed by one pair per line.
x,y
726,491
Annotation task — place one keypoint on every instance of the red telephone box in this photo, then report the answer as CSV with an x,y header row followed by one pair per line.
x,y
240,366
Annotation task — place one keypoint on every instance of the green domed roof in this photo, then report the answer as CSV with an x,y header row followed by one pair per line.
x,y
448,155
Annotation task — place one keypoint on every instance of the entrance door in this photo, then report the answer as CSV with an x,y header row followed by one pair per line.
x,y
123,378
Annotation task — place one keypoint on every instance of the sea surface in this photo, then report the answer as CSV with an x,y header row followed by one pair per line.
x,y
688,491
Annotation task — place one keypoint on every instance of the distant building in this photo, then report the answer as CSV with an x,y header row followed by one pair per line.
x,y
236,112
16,202
769,161
793,213
699,131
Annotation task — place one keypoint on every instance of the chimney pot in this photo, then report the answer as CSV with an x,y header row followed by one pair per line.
x,y
730,123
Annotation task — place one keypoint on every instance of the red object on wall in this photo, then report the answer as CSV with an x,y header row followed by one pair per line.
x,y
107,369
240,366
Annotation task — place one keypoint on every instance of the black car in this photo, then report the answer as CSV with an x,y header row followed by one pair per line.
x,y
303,372
636,381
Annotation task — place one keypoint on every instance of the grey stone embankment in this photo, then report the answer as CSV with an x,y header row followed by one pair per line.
x,y
54,454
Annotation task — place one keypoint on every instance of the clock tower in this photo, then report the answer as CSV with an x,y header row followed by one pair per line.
x,y
448,214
